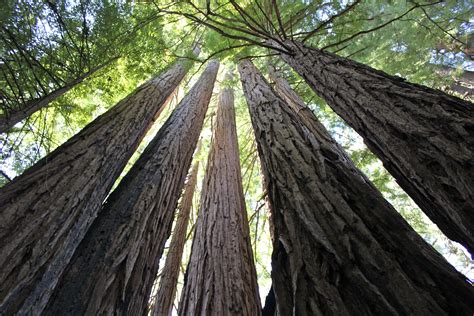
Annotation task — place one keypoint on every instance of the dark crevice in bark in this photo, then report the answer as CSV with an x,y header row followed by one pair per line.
x,y
340,248
113,269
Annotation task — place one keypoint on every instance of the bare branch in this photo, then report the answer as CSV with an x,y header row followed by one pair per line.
x,y
5,175
277,13
442,29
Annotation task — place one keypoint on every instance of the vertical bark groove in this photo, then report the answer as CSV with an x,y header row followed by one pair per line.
x,y
425,138
113,269
169,277
45,212
340,248
221,277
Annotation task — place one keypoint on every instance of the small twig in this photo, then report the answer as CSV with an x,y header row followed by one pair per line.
x,y
380,26
5,176
332,18
439,26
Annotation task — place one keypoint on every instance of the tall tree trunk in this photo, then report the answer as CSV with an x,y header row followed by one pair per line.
x,y
16,115
221,278
425,138
167,290
113,269
463,84
340,248
45,212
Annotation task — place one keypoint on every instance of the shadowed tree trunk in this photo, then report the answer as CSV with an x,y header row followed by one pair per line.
x,y
463,84
221,278
425,138
113,269
45,212
270,304
169,277
340,248
16,115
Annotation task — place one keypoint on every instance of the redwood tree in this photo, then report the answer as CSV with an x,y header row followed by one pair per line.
x,y
45,212
169,276
113,269
340,248
221,277
424,137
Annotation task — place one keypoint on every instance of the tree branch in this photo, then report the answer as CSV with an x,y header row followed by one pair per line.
x,y
332,18
380,26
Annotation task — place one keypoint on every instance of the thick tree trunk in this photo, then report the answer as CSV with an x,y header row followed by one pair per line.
x,y
425,138
221,278
10,118
340,248
169,277
45,212
113,269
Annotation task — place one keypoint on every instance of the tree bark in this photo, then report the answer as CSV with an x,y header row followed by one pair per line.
x,y
167,290
425,138
340,247
113,269
221,277
9,119
45,212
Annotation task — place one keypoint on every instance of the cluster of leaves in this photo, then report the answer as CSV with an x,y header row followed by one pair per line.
x,y
55,46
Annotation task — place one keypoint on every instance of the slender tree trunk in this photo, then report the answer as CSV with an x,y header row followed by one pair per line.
x,y
221,277
425,138
10,118
463,84
113,269
167,290
340,248
45,212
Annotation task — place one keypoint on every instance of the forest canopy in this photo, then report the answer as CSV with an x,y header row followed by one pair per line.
x,y
66,63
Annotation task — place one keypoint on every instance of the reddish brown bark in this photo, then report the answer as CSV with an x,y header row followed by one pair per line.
x,y
221,277
340,248
113,269
424,137
45,212
169,276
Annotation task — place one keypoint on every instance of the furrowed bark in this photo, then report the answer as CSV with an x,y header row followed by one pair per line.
x,y
113,269
169,277
424,137
340,248
221,277
45,212
9,119
285,92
